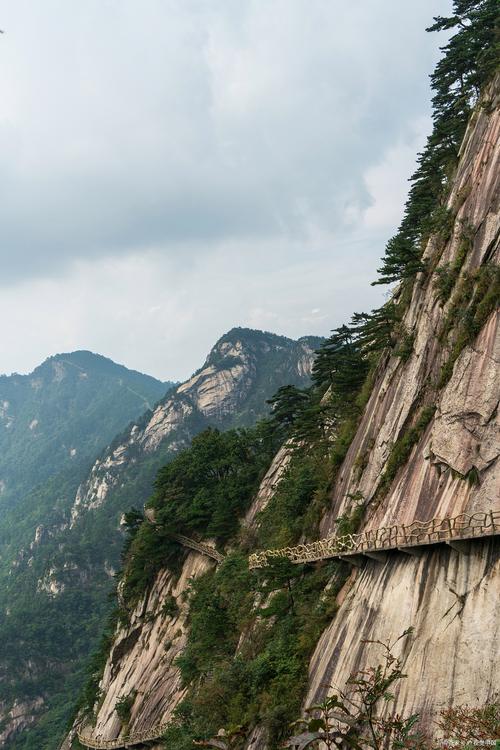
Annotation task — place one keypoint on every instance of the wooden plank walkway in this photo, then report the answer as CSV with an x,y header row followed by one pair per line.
x,y
413,538
130,740
375,542
204,549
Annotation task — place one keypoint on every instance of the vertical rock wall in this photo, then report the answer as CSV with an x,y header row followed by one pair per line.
x,y
452,600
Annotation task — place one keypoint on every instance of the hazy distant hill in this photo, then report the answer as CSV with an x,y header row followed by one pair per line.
x,y
64,412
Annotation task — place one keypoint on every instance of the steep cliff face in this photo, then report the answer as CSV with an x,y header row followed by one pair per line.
x,y
141,662
450,599
464,431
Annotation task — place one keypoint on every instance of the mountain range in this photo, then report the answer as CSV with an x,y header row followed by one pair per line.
x,y
83,440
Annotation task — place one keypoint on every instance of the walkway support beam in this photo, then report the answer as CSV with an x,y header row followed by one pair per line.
x,y
460,546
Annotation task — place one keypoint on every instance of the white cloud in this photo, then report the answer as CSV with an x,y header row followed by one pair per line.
x,y
387,181
154,315
171,168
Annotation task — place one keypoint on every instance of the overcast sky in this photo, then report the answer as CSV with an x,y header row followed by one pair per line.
x,y
172,168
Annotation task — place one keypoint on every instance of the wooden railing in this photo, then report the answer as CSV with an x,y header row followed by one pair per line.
x,y
405,536
205,549
129,740
418,533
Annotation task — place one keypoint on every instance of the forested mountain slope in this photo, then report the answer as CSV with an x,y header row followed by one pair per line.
x,y
400,424
53,422
53,418
54,593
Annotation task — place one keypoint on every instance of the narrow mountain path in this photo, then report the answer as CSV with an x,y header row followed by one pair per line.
x,y
417,538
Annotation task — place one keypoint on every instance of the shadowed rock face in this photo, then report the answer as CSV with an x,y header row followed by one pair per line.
x,y
143,655
450,599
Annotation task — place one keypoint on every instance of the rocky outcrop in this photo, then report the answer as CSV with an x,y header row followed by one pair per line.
x,y
18,716
141,662
230,387
142,659
268,485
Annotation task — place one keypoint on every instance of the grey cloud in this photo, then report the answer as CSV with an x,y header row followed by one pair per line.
x,y
177,125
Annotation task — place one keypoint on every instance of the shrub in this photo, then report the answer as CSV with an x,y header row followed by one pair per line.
x,y
402,448
123,706
170,607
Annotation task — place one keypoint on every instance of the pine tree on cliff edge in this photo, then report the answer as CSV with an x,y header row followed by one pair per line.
x,y
469,62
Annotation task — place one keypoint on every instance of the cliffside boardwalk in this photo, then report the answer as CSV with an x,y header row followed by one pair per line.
x,y
458,532
131,740
204,549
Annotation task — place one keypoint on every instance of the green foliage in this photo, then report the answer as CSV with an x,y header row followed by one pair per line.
x,y
448,274
77,401
352,718
476,297
340,364
264,680
402,448
375,331
441,222
206,486
469,61
123,706
302,486
466,725
274,363
90,694
281,610
170,607
287,405
349,523
203,490
406,343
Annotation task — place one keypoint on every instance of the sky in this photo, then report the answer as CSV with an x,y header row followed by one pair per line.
x,y
170,169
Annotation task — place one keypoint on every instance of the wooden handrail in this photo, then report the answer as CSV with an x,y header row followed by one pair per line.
x,y
416,534
129,740
205,549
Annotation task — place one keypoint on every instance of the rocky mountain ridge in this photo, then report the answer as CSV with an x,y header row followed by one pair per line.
x,y
227,389
53,417
67,567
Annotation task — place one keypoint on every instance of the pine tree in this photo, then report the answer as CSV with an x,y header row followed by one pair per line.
x,y
287,404
375,331
340,364
470,60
